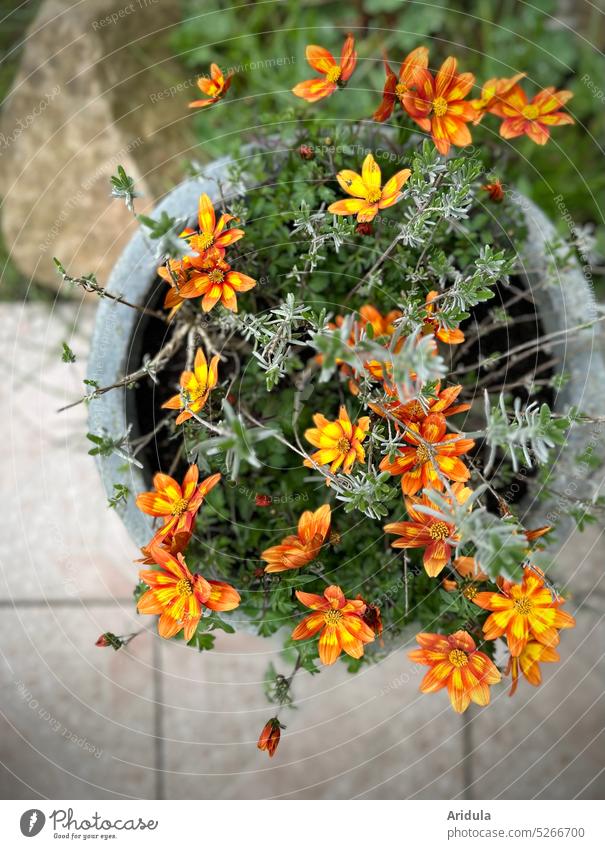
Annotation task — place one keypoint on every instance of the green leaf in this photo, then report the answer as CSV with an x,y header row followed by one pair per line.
x,y
202,641
68,355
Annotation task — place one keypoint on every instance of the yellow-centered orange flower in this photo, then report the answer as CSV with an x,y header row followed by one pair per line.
x,y
368,197
493,92
528,662
535,117
196,386
339,442
177,505
214,87
301,548
333,75
217,282
398,88
340,621
180,272
456,664
436,535
179,597
438,106
524,612
212,238
421,464
444,402
270,736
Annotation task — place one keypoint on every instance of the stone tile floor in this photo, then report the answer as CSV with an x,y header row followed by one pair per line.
x,y
157,720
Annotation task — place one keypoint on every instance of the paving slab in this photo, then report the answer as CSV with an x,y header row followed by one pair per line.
x,y
64,540
370,735
549,742
77,721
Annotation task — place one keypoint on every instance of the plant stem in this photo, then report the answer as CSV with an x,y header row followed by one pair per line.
x,y
92,286
157,363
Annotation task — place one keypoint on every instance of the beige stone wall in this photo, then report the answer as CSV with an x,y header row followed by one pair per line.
x,y
97,87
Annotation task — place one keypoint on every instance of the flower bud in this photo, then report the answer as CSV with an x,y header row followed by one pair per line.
x,y
269,737
495,191
108,639
364,228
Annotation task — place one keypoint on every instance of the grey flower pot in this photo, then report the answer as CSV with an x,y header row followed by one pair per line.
x,y
566,302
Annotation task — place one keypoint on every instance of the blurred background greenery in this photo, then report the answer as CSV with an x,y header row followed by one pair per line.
x,y
556,42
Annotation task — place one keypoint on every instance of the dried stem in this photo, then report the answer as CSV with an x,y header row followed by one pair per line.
x,y
527,348
90,285
157,363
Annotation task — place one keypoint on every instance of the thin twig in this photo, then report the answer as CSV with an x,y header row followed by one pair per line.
x,y
533,345
142,441
91,286
157,363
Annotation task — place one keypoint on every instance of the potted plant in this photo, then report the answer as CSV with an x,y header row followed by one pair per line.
x,y
335,382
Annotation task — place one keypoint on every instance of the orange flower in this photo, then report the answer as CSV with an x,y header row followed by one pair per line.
x,y
383,327
340,621
421,464
529,662
413,411
215,87
367,195
494,91
533,118
435,535
432,325
195,387
381,371
176,274
179,597
339,442
524,611
456,664
373,618
399,88
495,191
333,76
177,505
269,736
212,239
217,282
536,533
301,548
471,574
438,106
172,543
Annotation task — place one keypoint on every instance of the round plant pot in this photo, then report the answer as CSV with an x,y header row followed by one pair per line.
x,y
564,303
